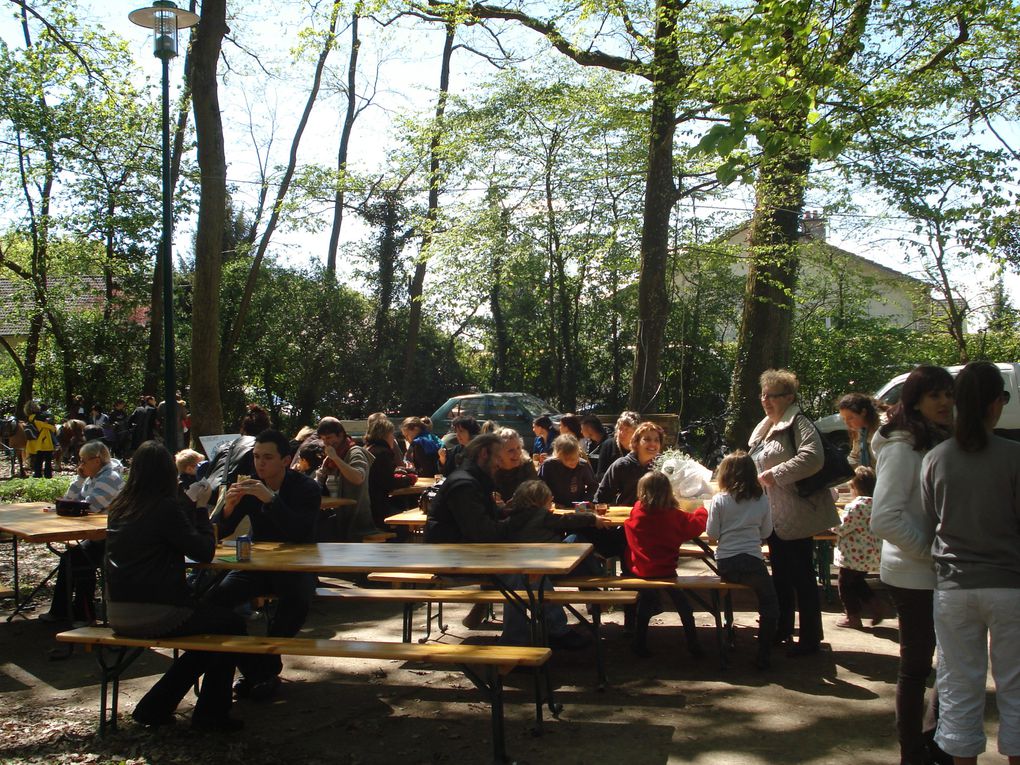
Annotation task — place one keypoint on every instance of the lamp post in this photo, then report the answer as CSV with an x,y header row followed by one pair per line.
x,y
164,19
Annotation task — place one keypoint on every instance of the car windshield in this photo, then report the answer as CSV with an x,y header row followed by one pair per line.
x,y
535,406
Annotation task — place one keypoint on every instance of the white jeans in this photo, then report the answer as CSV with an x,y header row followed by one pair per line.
x,y
966,622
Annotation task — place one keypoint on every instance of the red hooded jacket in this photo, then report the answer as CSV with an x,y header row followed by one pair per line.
x,y
654,536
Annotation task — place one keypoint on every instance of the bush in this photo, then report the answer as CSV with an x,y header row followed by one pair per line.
x,y
34,489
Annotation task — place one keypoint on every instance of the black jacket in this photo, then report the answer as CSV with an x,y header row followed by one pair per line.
x,y
568,485
464,510
290,517
619,484
609,453
145,554
539,525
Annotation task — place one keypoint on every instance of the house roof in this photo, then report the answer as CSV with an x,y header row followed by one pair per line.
x,y
742,229
74,293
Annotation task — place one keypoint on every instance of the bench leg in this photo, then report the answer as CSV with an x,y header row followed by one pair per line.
x,y
405,635
491,687
110,673
594,626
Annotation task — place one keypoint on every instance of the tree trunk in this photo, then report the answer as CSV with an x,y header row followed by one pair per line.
x,y
206,405
418,280
341,159
765,327
660,195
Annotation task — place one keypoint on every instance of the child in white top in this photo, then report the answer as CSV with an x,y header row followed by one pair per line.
x,y
739,518
858,551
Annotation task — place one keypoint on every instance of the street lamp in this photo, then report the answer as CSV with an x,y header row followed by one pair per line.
x,y
164,19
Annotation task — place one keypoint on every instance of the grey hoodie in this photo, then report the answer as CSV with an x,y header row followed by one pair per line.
x,y
898,516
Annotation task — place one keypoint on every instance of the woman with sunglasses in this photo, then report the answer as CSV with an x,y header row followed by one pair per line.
x,y
916,424
786,447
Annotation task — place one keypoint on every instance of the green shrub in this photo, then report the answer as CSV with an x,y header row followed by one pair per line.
x,y
34,489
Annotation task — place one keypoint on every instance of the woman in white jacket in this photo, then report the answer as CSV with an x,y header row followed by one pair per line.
x,y
917,423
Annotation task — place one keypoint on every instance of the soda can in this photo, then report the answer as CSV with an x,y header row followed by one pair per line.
x,y
243,548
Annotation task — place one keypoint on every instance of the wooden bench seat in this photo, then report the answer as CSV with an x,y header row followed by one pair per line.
x,y
719,603
496,660
596,599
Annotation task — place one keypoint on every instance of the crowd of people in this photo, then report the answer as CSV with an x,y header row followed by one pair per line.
x,y
948,556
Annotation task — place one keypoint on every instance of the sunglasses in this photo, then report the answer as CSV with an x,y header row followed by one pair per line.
x,y
1005,397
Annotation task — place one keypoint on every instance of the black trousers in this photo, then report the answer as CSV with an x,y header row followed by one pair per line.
x,y
294,593
854,590
648,604
793,575
42,464
915,720
216,669
79,563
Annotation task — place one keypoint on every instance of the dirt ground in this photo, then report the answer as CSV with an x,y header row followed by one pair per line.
x,y
834,708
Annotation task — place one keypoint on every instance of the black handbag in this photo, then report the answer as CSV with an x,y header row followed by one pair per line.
x,y
834,471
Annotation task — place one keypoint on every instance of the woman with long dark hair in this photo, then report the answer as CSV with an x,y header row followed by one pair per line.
x,y
861,416
970,486
917,423
150,532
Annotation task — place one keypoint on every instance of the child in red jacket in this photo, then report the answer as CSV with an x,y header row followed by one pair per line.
x,y
655,530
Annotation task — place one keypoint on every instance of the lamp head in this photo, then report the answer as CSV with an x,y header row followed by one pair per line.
x,y
164,18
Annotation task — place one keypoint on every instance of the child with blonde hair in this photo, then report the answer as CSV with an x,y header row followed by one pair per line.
x,y
739,519
655,530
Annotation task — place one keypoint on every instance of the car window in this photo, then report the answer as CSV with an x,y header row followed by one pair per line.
x,y
503,408
535,406
892,396
469,407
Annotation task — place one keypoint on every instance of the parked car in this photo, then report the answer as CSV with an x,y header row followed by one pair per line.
x,y
1009,424
511,410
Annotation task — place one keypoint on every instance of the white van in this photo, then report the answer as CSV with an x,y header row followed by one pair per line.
x,y
1009,424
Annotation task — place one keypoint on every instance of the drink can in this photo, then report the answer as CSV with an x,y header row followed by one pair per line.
x,y
243,548
583,507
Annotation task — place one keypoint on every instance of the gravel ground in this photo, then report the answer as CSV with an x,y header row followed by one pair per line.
x,y
834,708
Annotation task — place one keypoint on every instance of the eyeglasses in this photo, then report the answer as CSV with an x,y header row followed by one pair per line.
x,y
774,395
1005,397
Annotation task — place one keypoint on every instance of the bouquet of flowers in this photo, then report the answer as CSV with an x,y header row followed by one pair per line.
x,y
688,476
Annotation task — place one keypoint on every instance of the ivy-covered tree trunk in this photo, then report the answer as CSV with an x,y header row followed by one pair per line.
x,y
764,339
206,404
660,195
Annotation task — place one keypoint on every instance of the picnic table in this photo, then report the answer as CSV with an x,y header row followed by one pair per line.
x,y
38,523
423,484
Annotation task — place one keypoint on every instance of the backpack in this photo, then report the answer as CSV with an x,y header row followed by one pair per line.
x,y
834,471
31,431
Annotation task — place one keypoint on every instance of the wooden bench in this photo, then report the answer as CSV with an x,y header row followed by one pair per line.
x,y
496,661
719,602
567,599
398,579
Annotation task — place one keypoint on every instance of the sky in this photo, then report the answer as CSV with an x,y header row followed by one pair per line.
x,y
408,80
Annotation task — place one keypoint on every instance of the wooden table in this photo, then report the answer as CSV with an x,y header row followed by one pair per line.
x,y
331,503
420,486
547,559
38,523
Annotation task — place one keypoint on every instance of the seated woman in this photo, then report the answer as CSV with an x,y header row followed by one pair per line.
x,y
545,433
619,484
98,482
513,467
422,452
568,476
619,445
383,476
151,531
594,436
464,428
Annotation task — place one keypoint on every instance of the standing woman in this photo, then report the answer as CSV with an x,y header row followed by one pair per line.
x,y
917,423
786,447
861,417
970,489
150,532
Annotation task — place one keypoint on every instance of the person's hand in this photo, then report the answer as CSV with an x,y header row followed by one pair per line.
x,y
766,479
81,470
255,488
332,456
234,495
603,522
498,499
199,492
442,455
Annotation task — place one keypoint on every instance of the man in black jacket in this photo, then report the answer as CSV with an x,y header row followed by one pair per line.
x,y
283,506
